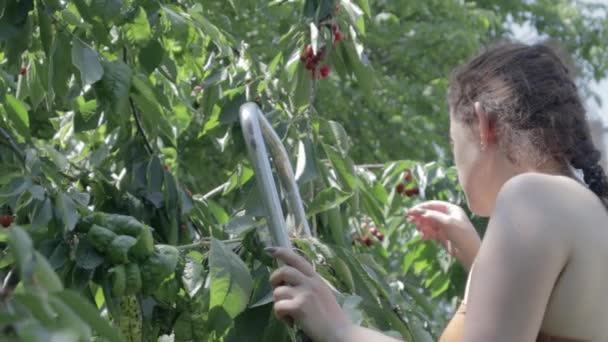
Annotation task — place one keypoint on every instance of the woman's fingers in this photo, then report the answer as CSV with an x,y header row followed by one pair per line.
x,y
292,259
285,309
283,293
440,206
287,275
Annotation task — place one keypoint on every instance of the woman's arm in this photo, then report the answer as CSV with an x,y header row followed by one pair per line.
x,y
300,294
356,333
523,252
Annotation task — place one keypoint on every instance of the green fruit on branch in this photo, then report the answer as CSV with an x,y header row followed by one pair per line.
x,y
118,279
130,321
133,281
123,225
119,224
85,223
118,250
158,266
100,237
144,246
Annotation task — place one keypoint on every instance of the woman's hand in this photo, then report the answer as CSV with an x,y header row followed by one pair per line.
x,y
449,225
300,294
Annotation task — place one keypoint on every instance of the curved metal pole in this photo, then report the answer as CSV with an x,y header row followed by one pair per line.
x,y
286,176
254,124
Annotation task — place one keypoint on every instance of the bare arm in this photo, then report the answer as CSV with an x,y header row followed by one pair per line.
x,y
522,255
300,294
360,334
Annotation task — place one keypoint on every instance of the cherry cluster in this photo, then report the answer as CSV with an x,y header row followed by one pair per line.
x,y
366,240
312,60
401,187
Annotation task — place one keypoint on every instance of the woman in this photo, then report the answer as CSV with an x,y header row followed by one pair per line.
x,y
525,159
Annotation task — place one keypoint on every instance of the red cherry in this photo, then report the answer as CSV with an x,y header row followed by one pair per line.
x,y
324,71
338,36
310,64
400,188
407,176
308,52
367,240
335,28
6,220
380,236
319,56
374,231
412,192
23,70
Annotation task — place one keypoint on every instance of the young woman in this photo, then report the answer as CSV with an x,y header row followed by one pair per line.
x,y
525,159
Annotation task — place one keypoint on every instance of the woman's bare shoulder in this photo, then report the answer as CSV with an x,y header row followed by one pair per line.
x,y
548,200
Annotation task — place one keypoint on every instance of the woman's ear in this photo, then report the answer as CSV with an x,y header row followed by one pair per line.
x,y
485,126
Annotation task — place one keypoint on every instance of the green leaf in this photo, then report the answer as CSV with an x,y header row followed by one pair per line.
x,y
44,274
21,247
60,255
89,315
344,168
66,210
15,188
193,276
68,318
17,114
60,70
342,139
86,256
15,14
35,84
87,62
37,305
355,14
112,91
306,169
138,31
42,214
327,199
365,6
151,55
231,282
230,110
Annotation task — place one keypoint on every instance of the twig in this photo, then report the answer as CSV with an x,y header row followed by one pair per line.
x,y
371,166
12,144
140,127
215,191
10,282
205,242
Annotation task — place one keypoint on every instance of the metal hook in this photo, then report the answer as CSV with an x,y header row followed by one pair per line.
x,y
258,132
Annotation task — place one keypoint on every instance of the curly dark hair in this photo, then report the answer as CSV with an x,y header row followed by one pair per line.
x,y
529,93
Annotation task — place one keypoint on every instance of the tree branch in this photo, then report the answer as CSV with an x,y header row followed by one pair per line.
x,y
136,116
11,143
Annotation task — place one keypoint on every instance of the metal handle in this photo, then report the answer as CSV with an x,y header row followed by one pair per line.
x,y
255,128
251,119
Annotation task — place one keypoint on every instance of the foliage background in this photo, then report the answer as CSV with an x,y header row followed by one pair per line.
x,y
131,107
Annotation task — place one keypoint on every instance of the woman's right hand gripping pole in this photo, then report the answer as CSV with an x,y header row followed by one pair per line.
x,y
449,225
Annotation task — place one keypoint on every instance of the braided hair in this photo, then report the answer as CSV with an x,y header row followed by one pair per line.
x,y
529,93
